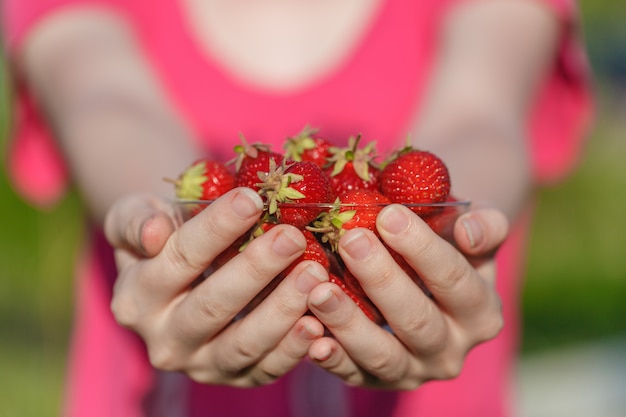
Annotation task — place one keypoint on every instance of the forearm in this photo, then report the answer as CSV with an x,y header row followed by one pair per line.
x,y
109,114
494,55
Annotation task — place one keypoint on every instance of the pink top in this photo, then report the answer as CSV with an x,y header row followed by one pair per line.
x,y
109,374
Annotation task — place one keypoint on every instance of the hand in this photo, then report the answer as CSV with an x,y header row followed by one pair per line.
x,y
188,325
430,336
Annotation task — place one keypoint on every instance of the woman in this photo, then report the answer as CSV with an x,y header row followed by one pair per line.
x,y
134,93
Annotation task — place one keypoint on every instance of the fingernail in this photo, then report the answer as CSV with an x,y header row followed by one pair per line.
x,y
309,277
142,233
394,220
357,245
246,203
325,301
308,332
288,243
474,231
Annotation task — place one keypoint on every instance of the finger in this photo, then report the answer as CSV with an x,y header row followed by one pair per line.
x,y
480,232
125,259
236,353
190,250
372,348
450,278
289,352
259,333
412,315
212,304
328,354
140,224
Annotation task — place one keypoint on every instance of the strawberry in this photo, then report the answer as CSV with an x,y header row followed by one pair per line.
x,y
416,177
308,146
204,179
359,298
296,183
251,160
353,168
442,222
314,252
356,208
367,204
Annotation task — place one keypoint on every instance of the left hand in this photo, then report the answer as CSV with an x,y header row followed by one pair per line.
x,y
430,336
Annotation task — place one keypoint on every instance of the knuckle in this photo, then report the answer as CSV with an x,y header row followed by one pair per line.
x,y
410,384
264,377
416,323
180,256
259,263
212,311
237,364
384,278
435,343
424,246
489,324
448,368
203,376
384,368
289,308
492,327
124,306
255,267
124,312
164,357
353,377
244,354
456,273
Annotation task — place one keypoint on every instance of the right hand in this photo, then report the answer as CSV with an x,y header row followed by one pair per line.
x,y
191,328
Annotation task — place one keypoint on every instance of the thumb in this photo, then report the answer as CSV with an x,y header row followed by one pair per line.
x,y
140,223
481,231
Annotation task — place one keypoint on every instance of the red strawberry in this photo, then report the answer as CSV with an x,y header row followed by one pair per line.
x,y
296,183
367,203
252,160
356,208
204,179
442,222
353,168
314,252
359,299
416,177
308,146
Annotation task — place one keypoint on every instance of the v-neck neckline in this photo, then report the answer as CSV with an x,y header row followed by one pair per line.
x,y
206,61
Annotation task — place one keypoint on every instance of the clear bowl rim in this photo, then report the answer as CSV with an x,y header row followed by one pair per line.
x,y
295,204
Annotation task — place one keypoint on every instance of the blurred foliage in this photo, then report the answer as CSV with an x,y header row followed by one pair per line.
x,y
605,35
37,249
576,274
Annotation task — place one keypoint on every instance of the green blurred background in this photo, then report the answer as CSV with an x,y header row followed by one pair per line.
x,y
575,290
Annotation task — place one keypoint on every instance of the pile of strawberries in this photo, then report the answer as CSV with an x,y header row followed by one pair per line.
x,y
324,190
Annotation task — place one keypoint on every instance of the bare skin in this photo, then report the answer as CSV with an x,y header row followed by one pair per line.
x,y
89,72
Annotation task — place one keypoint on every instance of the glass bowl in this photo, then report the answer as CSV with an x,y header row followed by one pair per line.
x,y
439,216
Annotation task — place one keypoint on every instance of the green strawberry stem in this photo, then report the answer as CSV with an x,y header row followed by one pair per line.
x,y
275,186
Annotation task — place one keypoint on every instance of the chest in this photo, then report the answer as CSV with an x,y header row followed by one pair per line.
x,y
279,44
277,79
